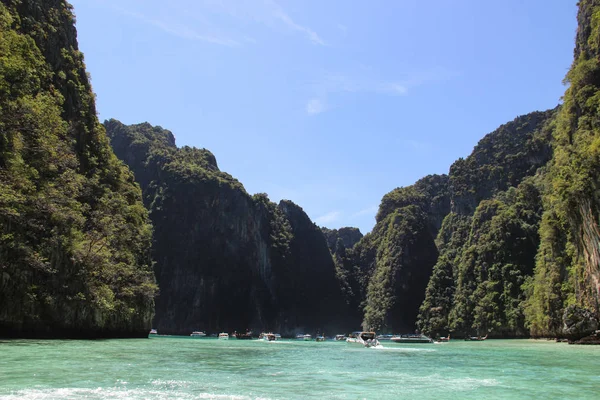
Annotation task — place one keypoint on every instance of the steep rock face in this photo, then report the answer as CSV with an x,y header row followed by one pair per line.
x,y
350,277
318,296
568,268
501,160
488,241
74,235
389,268
225,260
348,236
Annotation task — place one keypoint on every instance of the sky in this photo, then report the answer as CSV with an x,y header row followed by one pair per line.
x,y
328,103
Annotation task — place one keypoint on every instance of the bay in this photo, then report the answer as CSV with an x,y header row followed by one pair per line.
x,y
188,368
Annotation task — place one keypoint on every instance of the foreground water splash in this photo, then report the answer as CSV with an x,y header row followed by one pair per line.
x,y
179,368
115,393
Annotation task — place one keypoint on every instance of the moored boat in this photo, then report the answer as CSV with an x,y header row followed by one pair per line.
x,y
307,337
243,336
384,337
198,334
153,332
320,338
476,338
340,337
224,336
411,338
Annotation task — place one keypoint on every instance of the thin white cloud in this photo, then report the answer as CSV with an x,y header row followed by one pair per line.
x,y
178,30
392,88
416,144
328,218
315,106
345,84
366,211
210,14
249,39
281,15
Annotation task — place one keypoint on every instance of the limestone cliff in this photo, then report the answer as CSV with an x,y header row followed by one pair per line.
x,y
488,241
567,278
226,260
74,235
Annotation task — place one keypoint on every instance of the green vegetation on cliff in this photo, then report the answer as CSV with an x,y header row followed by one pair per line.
x,y
388,269
568,263
226,260
74,235
508,244
488,241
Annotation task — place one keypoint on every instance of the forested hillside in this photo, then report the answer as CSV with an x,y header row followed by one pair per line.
x,y
565,292
74,235
226,260
506,245
489,239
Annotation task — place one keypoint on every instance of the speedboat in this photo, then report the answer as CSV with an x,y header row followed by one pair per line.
x,y
340,337
366,339
153,332
198,334
224,336
411,338
307,337
267,337
320,338
443,339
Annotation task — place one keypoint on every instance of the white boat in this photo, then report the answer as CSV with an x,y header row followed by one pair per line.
x,y
153,332
267,337
307,337
198,334
367,339
443,339
411,338
320,338
340,337
224,336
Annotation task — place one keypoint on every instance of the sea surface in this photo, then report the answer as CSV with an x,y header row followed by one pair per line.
x,y
189,368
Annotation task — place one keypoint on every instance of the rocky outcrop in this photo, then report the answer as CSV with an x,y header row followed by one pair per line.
x,y
74,235
348,237
488,241
579,322
226,260
568,262
388,269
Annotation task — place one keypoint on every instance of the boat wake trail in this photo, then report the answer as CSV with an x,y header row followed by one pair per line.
x,y
403,349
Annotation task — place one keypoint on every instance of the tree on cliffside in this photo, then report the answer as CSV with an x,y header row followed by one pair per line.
x,y
74,235
568,262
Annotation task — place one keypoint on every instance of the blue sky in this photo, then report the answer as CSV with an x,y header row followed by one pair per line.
x,y
328,103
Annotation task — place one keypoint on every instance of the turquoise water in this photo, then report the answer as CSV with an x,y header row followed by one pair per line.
x,y
185,368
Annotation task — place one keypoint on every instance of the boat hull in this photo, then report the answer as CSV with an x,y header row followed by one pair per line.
x,y
411,340
406,339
